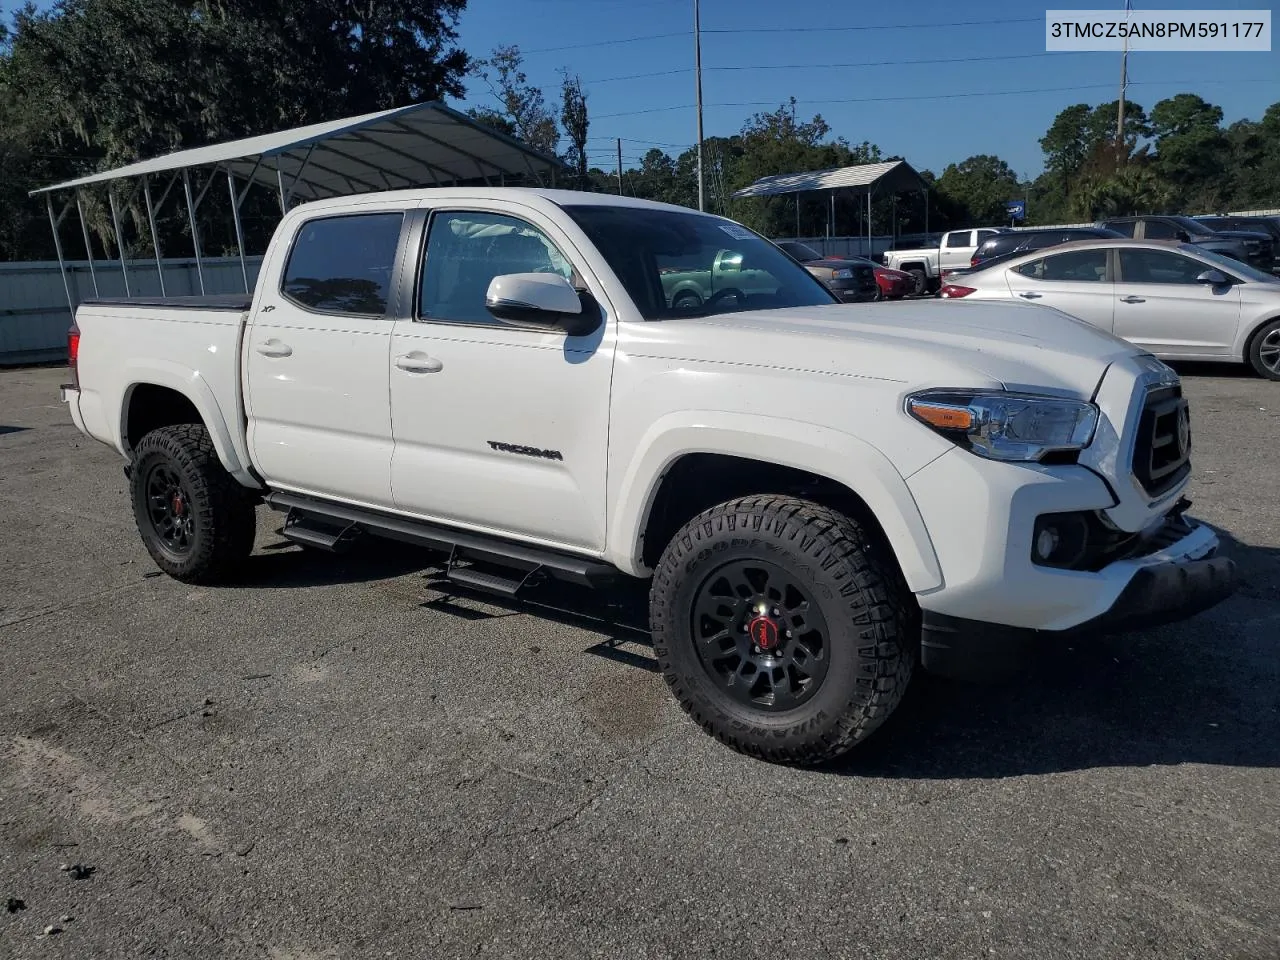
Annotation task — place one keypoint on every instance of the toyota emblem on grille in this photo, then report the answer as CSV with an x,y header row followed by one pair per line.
x,y
1184,432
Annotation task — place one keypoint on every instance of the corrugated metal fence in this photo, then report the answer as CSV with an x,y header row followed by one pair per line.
x,y
33,304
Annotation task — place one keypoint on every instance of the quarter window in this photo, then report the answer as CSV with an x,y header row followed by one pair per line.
x,y
1158,266
466,250
1087,266
343,265
1159,230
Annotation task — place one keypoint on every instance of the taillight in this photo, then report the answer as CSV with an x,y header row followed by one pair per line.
x,y
953,291
975,260
73,354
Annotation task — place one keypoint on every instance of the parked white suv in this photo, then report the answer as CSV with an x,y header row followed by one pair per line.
x,y
822,495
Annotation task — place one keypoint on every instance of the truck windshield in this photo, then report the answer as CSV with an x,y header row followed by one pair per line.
x,y
1193,227
691,264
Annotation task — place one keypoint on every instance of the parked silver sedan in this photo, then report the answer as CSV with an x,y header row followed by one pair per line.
x,y
1177,300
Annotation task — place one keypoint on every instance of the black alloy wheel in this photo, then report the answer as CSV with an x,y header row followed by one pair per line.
x,y
760,636
169,511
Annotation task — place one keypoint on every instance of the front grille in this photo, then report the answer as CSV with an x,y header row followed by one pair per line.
x,y
1162,450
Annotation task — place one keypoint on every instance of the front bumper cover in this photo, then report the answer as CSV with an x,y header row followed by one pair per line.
x,y
1156,595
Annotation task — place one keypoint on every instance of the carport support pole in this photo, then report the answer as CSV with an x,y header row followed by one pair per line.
x,y
115,220
868,223
57,246
797,215
195,232
235,213
155,236
925,194
88,248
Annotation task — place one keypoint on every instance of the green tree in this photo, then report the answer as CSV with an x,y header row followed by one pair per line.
x,y
1191,151
576,123
520,103
980,186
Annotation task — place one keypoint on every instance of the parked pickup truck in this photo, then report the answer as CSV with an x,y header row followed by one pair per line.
x,y
821,500
926,264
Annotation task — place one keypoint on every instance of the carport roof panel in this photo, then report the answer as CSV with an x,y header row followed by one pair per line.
x,y
894,175
421,144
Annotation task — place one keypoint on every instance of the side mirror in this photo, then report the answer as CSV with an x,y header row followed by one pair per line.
x,y
1214,278
540,299
1184,237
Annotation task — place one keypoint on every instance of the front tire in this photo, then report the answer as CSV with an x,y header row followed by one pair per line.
x,y
783,628
919,281
195,520
1264,351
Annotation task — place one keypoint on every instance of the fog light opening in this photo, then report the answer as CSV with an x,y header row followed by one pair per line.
x,y
1047,542
1060,540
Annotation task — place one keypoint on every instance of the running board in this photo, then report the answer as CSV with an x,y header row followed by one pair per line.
x,y
519,558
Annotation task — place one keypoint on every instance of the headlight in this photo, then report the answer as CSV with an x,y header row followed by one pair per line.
x,y
845,274
1007,426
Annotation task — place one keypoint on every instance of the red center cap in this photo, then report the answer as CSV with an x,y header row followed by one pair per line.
x,y
177,505
763,632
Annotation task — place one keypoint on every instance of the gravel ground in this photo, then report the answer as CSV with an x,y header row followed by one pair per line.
x,y
338,760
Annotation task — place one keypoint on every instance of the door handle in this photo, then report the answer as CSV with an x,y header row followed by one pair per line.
x,y
418,363
274,348
1031,296
1133,299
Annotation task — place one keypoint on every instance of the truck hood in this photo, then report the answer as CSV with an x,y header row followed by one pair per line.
x,y
918,344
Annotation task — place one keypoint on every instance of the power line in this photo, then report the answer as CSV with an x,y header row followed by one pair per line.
x,y
833,66
930,96
605,43
878,26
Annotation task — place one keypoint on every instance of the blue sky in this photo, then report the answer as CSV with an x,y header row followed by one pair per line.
x,y
928,123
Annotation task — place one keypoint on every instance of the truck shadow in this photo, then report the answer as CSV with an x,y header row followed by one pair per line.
x,y
1203,691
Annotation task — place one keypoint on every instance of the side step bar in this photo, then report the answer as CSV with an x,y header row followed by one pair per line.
x,y
320,518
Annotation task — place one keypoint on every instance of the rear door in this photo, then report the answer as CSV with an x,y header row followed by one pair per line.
x,y
1077,282
499,428
315,357
957,248
1160,306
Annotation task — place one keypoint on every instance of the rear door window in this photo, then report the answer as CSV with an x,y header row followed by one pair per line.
x,y
1159,230
343,265
1125,227
960,239
1083,266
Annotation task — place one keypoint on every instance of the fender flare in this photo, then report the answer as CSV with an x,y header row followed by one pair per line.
x,y
837,456
231,449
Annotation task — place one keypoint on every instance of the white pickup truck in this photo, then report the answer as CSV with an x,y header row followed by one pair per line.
x,y
823,496
928,264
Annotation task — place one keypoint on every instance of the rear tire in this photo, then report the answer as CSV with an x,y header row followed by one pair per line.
x,y
816,669
1264,350
195,520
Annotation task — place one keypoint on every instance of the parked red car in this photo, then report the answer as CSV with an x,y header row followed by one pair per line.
x,y
891,284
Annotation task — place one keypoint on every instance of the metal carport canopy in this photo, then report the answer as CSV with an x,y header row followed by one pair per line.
x,y
424,144
893,176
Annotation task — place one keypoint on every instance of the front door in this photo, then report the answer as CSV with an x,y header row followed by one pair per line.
x,y
1160,306
316,359
500,428
1075,281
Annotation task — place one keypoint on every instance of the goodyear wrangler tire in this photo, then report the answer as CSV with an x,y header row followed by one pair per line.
x,y
783,628
195,520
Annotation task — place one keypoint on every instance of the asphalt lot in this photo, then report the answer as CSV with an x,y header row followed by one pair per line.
x,y
336,760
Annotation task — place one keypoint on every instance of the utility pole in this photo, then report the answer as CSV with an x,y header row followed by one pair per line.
x,y
1121,153
697,70
619,166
